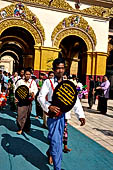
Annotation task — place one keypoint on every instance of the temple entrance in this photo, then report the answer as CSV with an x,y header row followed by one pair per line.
x,y
74,51
18,43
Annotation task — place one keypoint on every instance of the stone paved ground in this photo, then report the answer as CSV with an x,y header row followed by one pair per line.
x,y
98,127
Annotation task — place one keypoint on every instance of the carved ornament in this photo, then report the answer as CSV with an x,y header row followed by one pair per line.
x,y
110,47
5,24
111,11
74,25
97,11
62,4
71,31
26,19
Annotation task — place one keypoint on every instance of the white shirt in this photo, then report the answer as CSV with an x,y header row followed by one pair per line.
x,y
79,85
32,88
47,90
68,115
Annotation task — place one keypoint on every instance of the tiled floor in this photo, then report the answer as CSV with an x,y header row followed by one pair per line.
x,y
98,127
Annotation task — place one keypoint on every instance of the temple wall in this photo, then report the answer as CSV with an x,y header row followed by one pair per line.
x,y
49,19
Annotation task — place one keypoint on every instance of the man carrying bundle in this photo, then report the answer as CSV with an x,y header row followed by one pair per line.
x,y
26,90
56,124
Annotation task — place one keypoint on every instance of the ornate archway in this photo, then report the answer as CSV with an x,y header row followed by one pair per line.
x,y
17,22
74,25
76,38
20,31
19,15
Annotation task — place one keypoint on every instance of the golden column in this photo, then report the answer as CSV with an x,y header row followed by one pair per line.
x,y
101,59
37,58
44,57
96,63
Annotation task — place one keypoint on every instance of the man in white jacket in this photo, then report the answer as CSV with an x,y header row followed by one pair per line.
x,y
56,124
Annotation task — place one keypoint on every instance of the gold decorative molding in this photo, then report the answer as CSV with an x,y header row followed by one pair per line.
x,y
97,11
110,46
62,4
71,31
111,11
5,24
29,19
74,25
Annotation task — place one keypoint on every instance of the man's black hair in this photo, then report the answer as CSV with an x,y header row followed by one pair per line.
x,y
74,76
98,77
42,74
50,73
10,80
90,77
27,69
58,61
3,88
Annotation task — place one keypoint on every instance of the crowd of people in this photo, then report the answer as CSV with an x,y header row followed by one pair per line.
x,y
40,93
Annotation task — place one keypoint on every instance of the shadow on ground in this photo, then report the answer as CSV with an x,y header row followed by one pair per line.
x,y
17,146
9,124
90,110
35,133
105,132
110,108
6,110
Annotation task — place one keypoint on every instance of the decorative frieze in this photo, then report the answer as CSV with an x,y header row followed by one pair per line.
x,y
21,14
10,22
62,4
97,11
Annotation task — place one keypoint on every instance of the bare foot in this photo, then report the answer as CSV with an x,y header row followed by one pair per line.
x,y
36,117
44,126
50,160
66,149
19,132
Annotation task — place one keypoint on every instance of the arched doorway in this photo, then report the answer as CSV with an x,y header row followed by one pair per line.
x,y
20,34
75,32
74,50
18,43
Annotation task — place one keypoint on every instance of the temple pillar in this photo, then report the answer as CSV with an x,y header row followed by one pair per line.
x,y
101,59
96,65
44,57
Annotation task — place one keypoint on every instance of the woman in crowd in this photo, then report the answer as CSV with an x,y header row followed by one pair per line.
x,y
102,101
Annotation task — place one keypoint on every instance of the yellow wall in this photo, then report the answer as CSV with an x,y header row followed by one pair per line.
x,y
96,63
44,57
101,63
